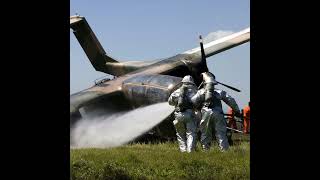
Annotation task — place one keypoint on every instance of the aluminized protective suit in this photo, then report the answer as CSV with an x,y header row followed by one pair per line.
x,y
185,121
212,115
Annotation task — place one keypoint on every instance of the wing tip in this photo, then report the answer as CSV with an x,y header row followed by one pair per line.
x,y
75,19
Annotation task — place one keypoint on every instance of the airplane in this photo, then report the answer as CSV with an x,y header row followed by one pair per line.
x,y
140,83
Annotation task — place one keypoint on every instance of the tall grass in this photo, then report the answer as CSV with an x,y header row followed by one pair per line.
x,y
160,161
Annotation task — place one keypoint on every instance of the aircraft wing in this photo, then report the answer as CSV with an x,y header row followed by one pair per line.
x,y
222,44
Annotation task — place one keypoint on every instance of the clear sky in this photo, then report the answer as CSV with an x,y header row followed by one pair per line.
x,y
146,30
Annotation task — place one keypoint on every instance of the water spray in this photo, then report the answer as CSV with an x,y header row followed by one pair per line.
x,y
118,129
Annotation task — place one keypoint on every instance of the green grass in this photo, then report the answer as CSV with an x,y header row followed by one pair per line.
x,y
160,161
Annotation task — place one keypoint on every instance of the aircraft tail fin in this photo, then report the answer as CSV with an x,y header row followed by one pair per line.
x,y
90,44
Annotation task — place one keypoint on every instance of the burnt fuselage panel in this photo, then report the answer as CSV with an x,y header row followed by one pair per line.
x,y
149,89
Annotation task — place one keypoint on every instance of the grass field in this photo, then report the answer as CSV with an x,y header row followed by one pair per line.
x,y
161,161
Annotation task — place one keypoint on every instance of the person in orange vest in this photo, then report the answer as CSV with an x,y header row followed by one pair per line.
x,y
231,120
246,119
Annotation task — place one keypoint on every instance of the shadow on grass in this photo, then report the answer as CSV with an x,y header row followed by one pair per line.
x,y
113,172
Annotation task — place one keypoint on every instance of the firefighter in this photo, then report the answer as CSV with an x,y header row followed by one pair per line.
x,y
209,99
232,124
185,120
246,119
231,120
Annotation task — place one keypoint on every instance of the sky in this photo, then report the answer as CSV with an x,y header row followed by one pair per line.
x,y
147,30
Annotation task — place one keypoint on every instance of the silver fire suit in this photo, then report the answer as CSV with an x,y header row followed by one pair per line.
x,y
185,121
212,117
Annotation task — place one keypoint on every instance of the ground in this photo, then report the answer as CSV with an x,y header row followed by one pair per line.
x,y
161,161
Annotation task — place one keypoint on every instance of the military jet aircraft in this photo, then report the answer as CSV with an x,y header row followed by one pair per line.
x,y
139,83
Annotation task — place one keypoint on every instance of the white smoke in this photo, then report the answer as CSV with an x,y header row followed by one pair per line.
x,y
216,35
118,129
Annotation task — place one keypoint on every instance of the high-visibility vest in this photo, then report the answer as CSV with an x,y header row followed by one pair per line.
x,y
246,119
